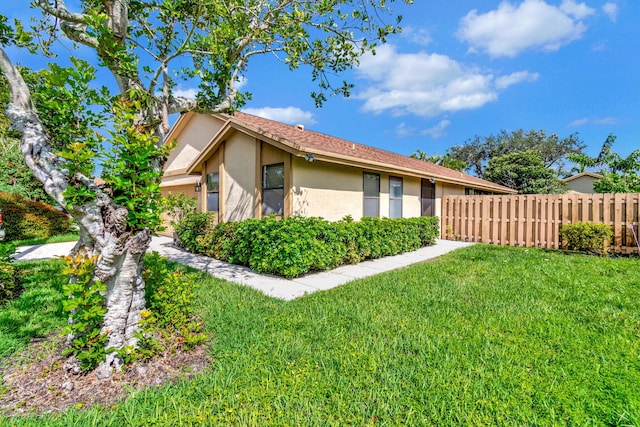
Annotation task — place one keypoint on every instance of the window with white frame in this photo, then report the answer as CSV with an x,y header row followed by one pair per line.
x,y
395,197
371,190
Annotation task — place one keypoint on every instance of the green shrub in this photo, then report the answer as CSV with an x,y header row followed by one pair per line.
x,y
85,306
170,298
27,219
192,226
586,237
9,282
294,246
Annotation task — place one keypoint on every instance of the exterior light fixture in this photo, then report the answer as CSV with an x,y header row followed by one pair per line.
x,y
198,186
309,158
432,180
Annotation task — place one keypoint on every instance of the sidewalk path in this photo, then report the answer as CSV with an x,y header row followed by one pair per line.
x,y
277,287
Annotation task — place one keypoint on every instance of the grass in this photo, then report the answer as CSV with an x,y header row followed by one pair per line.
x,y
53,239
482,336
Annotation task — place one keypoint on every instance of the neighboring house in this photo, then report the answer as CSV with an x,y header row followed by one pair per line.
x,y
243,166
582,182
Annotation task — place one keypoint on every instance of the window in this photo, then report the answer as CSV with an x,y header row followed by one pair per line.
x,y
273,189
371,189
395,197
213,192
428,197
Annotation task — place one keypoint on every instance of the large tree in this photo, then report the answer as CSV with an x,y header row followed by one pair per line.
x,y
15,176
446,160
524,171
147,46
619,174
476,152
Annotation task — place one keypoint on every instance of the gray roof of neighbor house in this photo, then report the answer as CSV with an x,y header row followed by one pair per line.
x,y
300,141
581,174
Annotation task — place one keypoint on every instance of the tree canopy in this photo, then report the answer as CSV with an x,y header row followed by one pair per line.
x,y
445,160
524,171
552,149
70,122
15,176
619,174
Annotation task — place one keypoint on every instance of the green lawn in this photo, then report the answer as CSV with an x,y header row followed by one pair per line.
x,y
482,336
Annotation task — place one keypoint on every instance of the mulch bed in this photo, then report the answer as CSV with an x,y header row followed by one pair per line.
x,y
39,380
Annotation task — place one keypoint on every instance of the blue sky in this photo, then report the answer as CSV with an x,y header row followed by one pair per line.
x,y
464,68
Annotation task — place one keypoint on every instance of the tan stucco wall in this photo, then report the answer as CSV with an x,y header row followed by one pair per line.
x,y
326,190
193,138
583,184
333,191
239,177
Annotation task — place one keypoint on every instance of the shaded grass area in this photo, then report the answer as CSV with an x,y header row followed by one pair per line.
x,y
482,336
37,312
59,238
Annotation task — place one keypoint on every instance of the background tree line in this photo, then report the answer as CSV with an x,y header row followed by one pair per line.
x,y
534,162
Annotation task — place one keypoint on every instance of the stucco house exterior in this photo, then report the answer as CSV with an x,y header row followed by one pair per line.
x,y
582,182
243,166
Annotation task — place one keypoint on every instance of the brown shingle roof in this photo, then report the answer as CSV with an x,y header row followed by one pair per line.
x,y
330,146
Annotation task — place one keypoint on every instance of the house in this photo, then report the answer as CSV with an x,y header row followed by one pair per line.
x,y
244,166
582,182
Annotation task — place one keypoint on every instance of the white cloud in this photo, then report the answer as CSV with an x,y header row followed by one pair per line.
x,y
517,77
611,9
189,92
435,132
438,131
579,122
598,121
426,85
576,10
534,24
419,36
290,115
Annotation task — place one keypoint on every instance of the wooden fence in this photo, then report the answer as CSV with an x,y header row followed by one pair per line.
x,y
534,220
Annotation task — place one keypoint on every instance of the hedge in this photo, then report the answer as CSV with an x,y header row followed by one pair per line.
x,y
296,245
586,237
27,219
9,281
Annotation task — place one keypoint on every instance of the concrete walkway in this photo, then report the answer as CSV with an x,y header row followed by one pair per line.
x,y
277,287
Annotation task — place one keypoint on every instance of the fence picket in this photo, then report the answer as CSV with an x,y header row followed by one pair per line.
x,y
536,220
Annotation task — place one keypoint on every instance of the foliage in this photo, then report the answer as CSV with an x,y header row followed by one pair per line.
x,y
169,322
523,171
622,174
171,299
485,336
193,225
586,237
295,245
131,170
178,205
477,152
9,282
26,219
9,278
148,48
15,176
85,306
447,160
